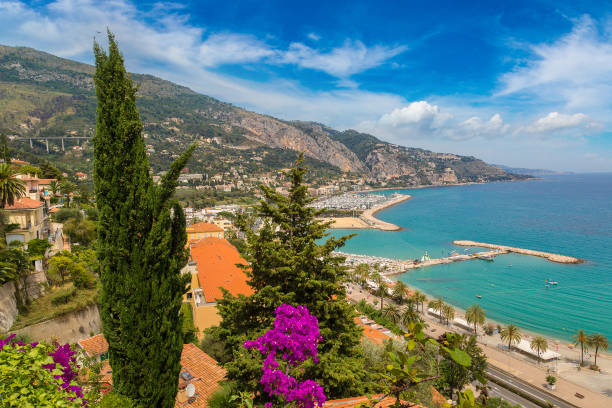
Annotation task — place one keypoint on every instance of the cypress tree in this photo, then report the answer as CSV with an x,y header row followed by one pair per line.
x,y
5,153
141,244
289,264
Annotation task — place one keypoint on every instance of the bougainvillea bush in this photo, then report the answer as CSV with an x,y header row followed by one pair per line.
x,y
38,375
293,340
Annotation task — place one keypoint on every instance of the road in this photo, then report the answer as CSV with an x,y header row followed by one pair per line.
x,y
507,395
501,376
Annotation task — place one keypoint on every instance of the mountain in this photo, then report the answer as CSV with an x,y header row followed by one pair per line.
x,y
530,172
42,95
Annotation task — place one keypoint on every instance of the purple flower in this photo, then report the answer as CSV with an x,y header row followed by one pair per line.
x,y
294,339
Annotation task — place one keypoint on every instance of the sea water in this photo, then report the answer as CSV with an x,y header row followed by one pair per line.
x,y
568,215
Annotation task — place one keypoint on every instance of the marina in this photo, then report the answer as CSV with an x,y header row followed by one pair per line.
x,y
551,257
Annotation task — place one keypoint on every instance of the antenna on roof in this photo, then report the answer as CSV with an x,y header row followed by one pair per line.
x,y
190,390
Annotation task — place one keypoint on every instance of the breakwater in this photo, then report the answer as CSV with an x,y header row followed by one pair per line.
x,y
564,259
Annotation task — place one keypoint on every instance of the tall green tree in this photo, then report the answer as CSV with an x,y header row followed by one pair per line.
x,y
141,244
539,345
5,153
11,188
289,264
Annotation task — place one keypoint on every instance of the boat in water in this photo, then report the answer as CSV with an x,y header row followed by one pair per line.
x,y
479,297
486,258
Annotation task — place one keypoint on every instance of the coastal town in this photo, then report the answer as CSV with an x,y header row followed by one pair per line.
x,y
322,205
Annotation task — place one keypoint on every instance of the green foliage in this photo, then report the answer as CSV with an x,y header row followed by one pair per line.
x,y
214,346
26,383
64,214
551,379
141,244
63,296
404,371
496,402
455,373
115,400
189,329
288,265
5,153
30,170
60,267
38,247
80,231
11,188
222,397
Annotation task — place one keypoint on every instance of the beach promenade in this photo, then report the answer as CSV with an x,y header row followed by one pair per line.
x,y
366,220
570,381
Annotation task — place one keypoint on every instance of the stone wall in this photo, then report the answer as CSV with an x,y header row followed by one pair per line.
x,y
8,306
69,328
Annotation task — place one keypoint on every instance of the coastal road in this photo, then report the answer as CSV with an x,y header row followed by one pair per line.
x,y
507,395
510,380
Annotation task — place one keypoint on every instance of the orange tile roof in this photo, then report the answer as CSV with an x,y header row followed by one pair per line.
x,y
46,181
355,402
205,375
94,345
203,227
371,333
24,203
216,261
206,372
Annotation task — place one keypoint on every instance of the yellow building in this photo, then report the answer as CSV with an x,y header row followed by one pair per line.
x,y
30,217
203,230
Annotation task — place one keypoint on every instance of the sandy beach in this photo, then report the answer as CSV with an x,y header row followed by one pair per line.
x,y
367,220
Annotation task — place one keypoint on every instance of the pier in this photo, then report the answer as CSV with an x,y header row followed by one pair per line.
x,y
551,257
450,259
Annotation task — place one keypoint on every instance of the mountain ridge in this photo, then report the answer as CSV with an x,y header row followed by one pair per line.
x,y
45,95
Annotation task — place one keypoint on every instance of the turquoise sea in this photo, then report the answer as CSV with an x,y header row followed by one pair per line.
x,y
569,215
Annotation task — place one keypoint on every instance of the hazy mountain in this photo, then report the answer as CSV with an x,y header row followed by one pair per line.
x,y
42,95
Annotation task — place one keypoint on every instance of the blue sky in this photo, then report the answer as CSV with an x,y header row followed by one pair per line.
x,y
519,83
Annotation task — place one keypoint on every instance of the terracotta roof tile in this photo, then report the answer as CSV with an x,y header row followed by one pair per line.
x,y
371,333
216,261
206,375
94,345
203,227
24,203
355,402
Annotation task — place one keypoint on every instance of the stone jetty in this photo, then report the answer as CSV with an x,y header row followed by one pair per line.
x,y
551,257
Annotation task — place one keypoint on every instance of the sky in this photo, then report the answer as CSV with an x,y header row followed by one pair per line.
x,y
525,84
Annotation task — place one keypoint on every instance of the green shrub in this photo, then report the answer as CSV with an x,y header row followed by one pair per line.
x,y
221,398
115,400
64,214
82,278
63,296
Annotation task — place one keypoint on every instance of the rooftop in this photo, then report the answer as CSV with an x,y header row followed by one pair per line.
x,y
216,261
203,227
94,345
24,203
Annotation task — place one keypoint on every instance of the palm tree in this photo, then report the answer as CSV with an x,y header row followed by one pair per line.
x,y
381,288
419,297
438,306
475,315
511,334
449,313
393,313
11,188
599,341
399,291
580,338
409,315
54,186
539,345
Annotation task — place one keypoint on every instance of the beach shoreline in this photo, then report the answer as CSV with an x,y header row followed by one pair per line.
x,y
367,219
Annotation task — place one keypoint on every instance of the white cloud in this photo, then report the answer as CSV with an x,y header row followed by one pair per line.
x,y
556,121
349,59
476,127
229,48
314,37
419,113
575,70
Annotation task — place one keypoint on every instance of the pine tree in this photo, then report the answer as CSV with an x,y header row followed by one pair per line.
x,y
141,244
289,265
